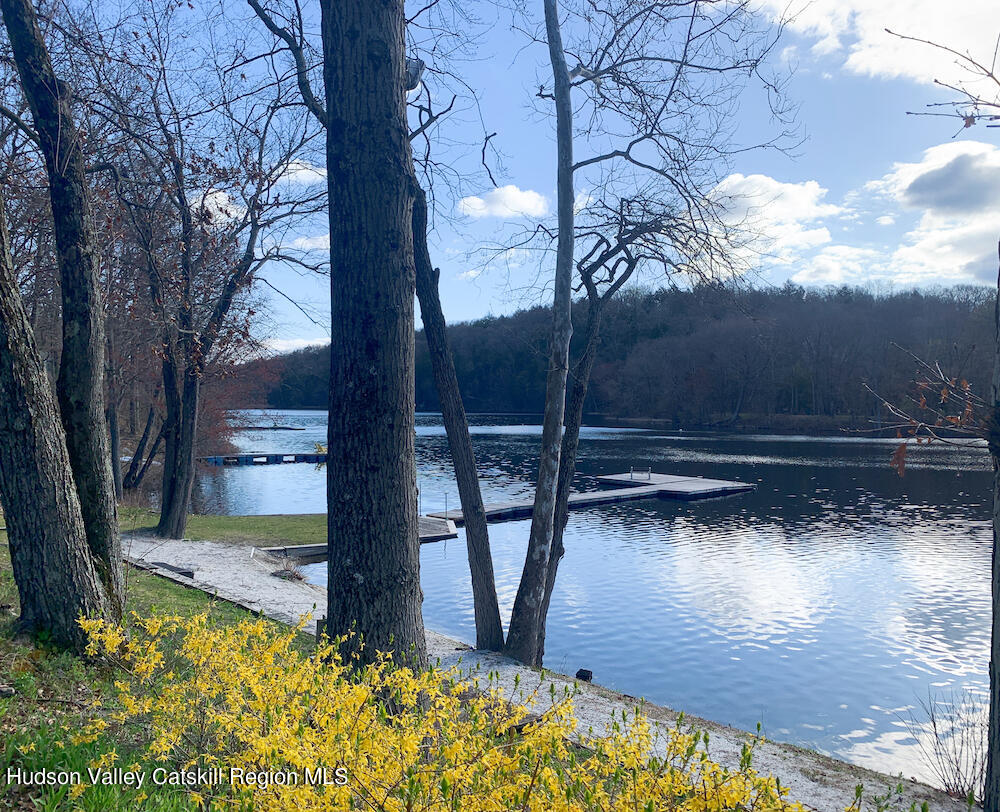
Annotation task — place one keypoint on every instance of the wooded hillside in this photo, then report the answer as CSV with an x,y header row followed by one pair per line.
x,y
705,356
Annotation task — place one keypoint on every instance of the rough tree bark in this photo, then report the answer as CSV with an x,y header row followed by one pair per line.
x,y
57,577
991,791
489,630
179,468
80,383
374,563
170,428
523,635
180,361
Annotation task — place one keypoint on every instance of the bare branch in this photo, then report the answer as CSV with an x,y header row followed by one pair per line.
x,y
298,54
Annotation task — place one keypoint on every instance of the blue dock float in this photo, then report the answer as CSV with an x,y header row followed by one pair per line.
x,y
262,459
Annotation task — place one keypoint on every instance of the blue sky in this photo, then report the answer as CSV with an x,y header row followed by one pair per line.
x,y
871,196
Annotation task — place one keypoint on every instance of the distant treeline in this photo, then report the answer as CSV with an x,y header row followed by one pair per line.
x,y
706,357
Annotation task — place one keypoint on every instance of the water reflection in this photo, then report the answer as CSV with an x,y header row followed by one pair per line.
x,y
825,604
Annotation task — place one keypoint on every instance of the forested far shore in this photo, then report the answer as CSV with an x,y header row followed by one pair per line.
x,y
789,358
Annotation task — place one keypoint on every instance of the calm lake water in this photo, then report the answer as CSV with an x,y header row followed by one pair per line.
x,y
826,605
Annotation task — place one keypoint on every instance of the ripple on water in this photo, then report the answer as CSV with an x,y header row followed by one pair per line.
x,y
825,605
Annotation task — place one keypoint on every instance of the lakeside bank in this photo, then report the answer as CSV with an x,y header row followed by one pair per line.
x,y
243,574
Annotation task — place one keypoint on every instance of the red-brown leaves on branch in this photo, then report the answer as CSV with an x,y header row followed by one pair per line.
x,y
898,459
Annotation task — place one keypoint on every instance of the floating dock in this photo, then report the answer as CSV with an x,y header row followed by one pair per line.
x,y
262,459
268,428
430,529
638,485
674,486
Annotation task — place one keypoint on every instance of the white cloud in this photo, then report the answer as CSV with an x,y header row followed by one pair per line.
x,y
786,215
854,32
948,250
958,175
318,242
842,265
303,172
956,189
218,207
280,345
954,193
505,201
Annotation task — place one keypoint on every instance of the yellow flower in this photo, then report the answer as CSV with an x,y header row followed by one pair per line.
x,y
246,696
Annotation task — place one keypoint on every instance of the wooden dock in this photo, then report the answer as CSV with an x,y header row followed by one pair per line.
x,y
430,529
644,485
262,459
673,486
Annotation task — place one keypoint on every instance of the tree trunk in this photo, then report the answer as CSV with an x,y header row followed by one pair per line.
x,y
174,509
374,563
80,382
149,458
526,618
133,415
114,438
171,431
489,631
991,793
56,574
567,463
131,479
111,416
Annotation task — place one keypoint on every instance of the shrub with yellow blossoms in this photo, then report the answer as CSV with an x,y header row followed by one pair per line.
x,y
245,700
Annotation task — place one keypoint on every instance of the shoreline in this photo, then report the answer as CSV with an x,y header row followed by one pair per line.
x,y
783,425
241,574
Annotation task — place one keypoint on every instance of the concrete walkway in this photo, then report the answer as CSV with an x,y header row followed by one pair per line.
x,y
243,575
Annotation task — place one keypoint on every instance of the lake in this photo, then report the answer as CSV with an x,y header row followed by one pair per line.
x,y
826,605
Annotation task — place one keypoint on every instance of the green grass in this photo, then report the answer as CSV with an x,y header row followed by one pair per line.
x,y
54,691
146,594
280,530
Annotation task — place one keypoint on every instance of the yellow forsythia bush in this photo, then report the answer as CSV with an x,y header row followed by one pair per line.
x,y
248,720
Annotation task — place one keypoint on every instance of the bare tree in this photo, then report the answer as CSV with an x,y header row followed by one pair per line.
x,y
203,143
430,38
55,572
660,82
486,609
523,634
290,31
659,129
49,509
374,558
